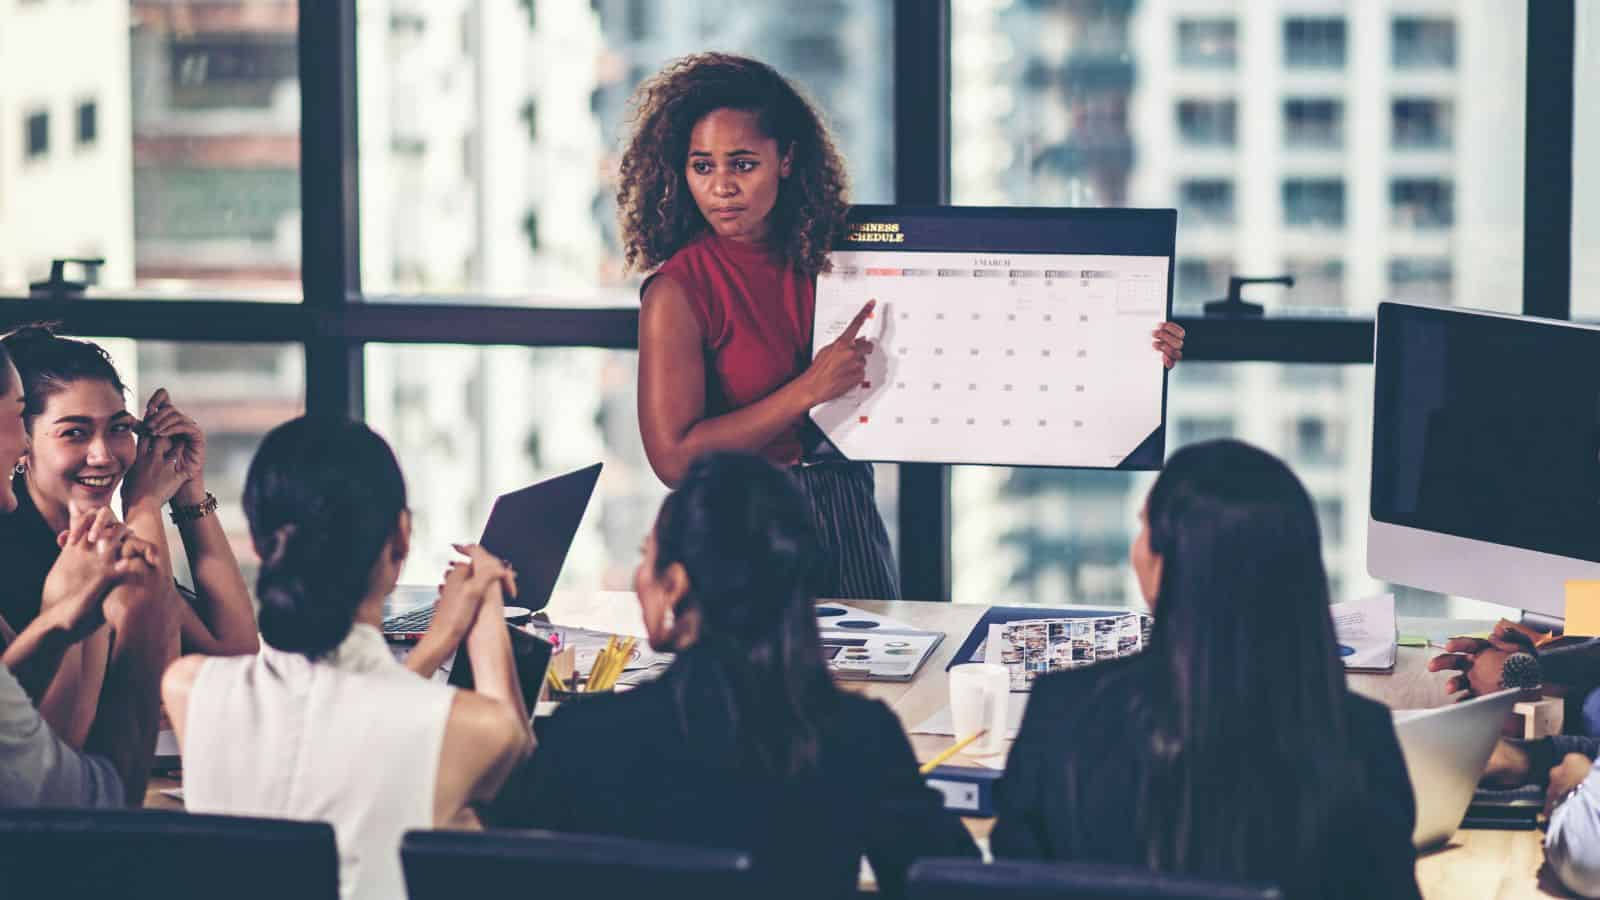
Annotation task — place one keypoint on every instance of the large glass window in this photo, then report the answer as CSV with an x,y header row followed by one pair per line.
x,y
172,151
1312,158
471,423
491,131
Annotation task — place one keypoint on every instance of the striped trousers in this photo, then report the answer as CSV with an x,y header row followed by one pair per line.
x,y
857,561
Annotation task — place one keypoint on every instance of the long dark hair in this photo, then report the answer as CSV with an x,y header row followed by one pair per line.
x,y
743,533
1248,746
323,497
658,214
48,363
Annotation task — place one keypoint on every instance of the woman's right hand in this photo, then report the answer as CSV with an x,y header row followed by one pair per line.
x,y
156,474
465,588
842,364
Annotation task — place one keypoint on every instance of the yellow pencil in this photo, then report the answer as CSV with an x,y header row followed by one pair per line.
x,y
960,745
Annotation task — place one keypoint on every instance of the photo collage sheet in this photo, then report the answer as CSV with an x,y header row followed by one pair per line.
x,y
1029,648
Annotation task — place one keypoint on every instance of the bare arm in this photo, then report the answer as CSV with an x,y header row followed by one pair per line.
x,y
672,386
125,729
34,655
224,624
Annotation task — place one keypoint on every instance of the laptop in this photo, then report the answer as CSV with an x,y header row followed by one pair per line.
x,y
1446,750
532,529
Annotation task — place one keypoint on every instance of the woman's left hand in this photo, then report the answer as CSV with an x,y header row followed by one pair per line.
x,y
1169,340
1568,774
187,451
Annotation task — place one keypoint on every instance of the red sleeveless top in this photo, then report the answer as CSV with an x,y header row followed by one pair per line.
x,y
755,314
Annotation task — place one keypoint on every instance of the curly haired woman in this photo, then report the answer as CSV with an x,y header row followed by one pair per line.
x,y
732,191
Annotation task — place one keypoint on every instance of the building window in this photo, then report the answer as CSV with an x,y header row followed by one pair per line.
x,y
36,131
1424,43
1313,202
1419,123
1200,280
1317,440
1318,284
1313,123
1422,279
1206,201
211,70
1421,203
1330,516
1208,43
530,117
1209,123
88,123
1314,43
1195,429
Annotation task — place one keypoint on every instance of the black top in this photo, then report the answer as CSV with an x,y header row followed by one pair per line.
x,y
625,764
1045,814
27,551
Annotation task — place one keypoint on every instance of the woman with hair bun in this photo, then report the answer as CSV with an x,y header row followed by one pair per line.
x,y
732,192
745,742
323,724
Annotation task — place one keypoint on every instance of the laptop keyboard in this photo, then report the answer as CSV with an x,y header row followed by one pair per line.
x,y
410,622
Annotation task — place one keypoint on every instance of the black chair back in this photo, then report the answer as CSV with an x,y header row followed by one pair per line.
x,y
964,879
446,865
69,854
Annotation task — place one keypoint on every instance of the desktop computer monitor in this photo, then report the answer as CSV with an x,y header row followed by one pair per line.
x,y
1485,455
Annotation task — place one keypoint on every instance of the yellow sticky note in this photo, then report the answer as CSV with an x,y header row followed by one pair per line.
x,y
1583,608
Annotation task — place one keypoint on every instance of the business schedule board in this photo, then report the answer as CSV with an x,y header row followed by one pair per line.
x,y
1003,336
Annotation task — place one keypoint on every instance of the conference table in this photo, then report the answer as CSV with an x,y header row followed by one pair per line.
x,y
1476,864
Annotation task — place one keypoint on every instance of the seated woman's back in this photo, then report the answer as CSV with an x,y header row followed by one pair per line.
x,y
1231,748
1074,778
744,743
323,724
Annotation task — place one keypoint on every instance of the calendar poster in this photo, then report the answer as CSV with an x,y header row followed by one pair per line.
x,y
1002,336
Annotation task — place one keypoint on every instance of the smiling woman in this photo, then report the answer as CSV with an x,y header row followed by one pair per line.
x,y
84,444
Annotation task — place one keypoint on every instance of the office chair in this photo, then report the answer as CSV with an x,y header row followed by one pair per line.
x,y
441,865
69,854
965,879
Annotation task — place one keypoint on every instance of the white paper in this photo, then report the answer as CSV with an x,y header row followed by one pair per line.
x,y
1003,358
1366,631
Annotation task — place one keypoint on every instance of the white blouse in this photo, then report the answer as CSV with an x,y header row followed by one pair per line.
x,y
352,739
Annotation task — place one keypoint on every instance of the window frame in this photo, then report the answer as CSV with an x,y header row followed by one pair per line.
x,y
333,320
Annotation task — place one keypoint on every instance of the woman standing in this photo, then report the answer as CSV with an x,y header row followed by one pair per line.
x,y
733,192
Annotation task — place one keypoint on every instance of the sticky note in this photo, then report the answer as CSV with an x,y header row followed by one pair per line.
x,y
1583,608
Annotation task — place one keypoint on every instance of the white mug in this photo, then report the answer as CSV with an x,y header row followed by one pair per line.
x,y
979,693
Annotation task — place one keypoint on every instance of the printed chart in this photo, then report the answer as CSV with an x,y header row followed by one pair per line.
x,y
1009,359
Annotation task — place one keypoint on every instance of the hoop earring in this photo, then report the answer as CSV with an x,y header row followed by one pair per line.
x,y
20,469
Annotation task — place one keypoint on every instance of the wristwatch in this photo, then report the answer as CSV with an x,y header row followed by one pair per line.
x,y
181,513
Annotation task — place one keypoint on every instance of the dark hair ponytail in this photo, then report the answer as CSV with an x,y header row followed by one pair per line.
x,y
48,363
323,497
743,533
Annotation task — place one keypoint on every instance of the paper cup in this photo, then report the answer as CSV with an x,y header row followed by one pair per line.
x,y
978,696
